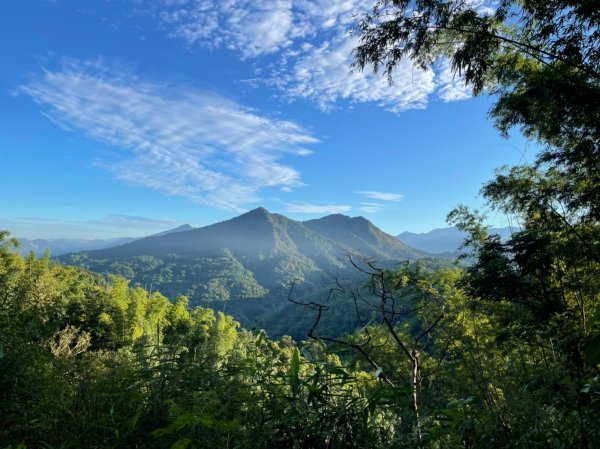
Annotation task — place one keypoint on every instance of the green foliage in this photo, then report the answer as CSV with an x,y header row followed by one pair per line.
x,y
100,364
257,255
86,362
533,298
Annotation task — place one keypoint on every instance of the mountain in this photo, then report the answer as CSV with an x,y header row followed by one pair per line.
x,y
58,247
361,236
245,257
245,266
183,227
444,240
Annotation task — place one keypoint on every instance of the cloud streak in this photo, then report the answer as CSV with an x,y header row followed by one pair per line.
x,y
381,196
180,142
121,221
371,208
108,226
313,50
307,208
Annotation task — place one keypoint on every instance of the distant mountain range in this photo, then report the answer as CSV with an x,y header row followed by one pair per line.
x,y
232,264
445,241
255,256
245,257
58,247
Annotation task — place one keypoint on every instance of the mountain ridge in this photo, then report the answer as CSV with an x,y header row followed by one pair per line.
x,y
270,232
445,241
60,246
257,252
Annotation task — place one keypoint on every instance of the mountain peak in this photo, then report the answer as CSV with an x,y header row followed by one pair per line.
x,y
359,234
181,228
258,211
258,215
341,219
247,255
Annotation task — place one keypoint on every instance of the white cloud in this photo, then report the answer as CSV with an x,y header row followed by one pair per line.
x,y
250,27
131,221
313,47
322,75
485,7
306,208
254,27
382,196
450,86
320,15
371,208
186,143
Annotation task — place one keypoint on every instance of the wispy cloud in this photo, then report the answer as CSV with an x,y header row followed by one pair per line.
x,y
313,50
38,219
131,221
113,225
371,208
250,27
180,142
382,196
306,208
321,74
253,27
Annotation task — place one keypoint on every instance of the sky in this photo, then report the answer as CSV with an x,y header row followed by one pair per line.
x,y
128,117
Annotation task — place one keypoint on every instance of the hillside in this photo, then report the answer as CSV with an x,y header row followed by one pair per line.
x,y
444,241
246,257
361,236
58,247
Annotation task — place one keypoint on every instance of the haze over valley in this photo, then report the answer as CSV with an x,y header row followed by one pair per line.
x,y
255,256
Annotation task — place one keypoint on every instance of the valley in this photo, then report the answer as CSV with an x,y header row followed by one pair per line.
x,y
246,265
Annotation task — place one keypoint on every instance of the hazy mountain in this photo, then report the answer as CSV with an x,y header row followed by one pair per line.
x,y
183,227
444,240
361,236
59,247
246,257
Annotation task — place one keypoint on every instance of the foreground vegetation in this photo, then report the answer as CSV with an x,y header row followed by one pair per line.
x,y
504,354
90,363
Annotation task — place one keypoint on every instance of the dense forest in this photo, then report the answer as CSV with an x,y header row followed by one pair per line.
x,y
245,266
503,353
441,361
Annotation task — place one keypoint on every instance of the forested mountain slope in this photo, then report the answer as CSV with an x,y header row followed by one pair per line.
x,y
58,247
247,256
255,256
362,236
446,240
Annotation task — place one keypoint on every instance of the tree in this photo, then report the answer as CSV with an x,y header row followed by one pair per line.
x,y
541,59
542,288
403,335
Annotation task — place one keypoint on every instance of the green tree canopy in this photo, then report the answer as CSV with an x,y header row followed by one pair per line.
x,y
540,58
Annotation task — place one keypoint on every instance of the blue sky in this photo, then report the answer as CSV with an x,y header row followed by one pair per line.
x,y
127,117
